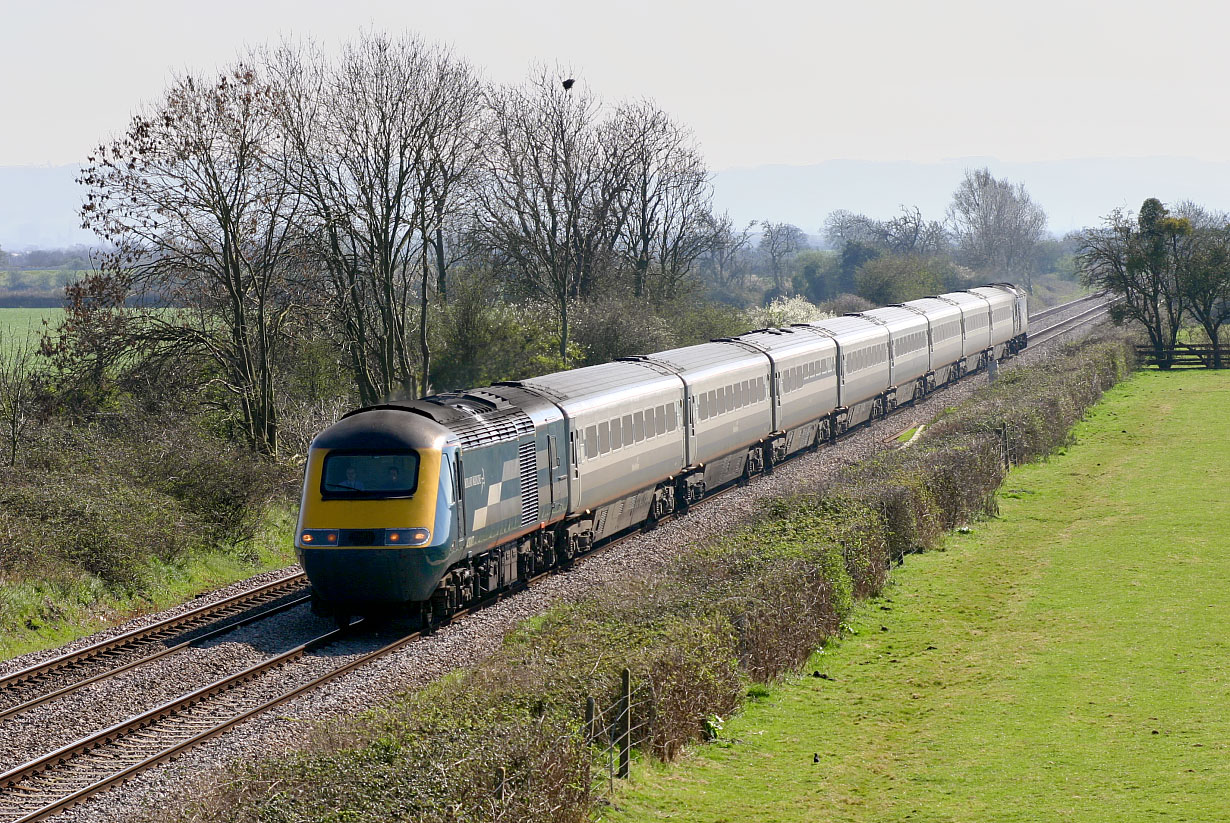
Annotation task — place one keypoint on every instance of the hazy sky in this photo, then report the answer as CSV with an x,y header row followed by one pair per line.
x,y
773,81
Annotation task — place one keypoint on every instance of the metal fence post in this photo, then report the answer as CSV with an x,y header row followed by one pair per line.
x,y
589,720
625,725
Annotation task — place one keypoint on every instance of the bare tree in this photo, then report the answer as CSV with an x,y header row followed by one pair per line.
x,y
384,141
555,176
842,227
723,258
907,233
666,199
1205,280
779,241
996,225
1142,261
16,391
198,212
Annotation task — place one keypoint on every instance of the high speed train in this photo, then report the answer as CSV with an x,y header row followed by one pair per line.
x,y
424,506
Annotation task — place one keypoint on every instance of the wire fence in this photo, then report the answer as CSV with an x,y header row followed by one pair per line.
x,y
610,732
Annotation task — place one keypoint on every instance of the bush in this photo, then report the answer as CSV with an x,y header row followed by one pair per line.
x,y
62,525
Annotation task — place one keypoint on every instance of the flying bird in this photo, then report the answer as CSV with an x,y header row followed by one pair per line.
x,y
568,83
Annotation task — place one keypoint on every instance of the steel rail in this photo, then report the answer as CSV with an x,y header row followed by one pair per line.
x,y
179,623
1064,326
109,673
12,778
1065,306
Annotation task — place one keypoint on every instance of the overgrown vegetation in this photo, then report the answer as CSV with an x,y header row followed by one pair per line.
x,y
100,516
697,633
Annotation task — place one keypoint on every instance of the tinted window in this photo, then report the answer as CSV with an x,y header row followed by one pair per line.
x,y
660,421
670,417
591,441
352,474
638,426
617,433
604,437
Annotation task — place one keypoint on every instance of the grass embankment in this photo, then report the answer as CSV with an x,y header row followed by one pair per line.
x,y
43,611
117,514
1064,661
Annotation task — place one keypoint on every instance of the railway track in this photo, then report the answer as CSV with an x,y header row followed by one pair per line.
x,y
1062,307
1059,328
61,675
54,782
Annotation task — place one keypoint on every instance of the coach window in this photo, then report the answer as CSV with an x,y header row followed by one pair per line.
x,y
660,421
591,442
713,409
604,437
703,404
638,426
670,417
617,434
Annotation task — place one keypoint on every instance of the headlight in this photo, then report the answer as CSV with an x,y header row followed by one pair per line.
x,y
406,537
318,537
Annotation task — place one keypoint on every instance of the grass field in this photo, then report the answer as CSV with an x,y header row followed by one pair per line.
x,y
17,321
16,324
1064,661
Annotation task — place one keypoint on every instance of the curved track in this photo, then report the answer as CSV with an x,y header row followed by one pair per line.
x,y
53,782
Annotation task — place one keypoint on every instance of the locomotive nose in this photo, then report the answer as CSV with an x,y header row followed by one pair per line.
x,y
359,579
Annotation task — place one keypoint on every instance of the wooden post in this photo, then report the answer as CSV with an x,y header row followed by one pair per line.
x,y
501,784
625,725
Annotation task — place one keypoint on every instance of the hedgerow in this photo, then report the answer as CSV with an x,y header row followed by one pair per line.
x,y
696,634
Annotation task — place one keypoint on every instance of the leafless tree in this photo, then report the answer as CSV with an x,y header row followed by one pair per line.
x,y
556,173
996,225
842,227
666,200
1205,279
384,141
1142,260
778,241
16,391
907,233
723,258
198,211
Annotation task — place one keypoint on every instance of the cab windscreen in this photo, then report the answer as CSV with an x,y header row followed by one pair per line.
x,y
369,475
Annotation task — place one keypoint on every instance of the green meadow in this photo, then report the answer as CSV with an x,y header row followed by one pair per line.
x,y
16,324
1066,660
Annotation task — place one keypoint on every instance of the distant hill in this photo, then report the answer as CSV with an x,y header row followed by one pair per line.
x,y
38,208
38,204
1075,193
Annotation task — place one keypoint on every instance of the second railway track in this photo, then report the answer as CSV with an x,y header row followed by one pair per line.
x,y
65,673
53,782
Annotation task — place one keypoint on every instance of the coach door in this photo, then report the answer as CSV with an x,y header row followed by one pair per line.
x,y
558,473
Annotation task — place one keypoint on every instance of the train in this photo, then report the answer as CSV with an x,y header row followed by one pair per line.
x,y
423,507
